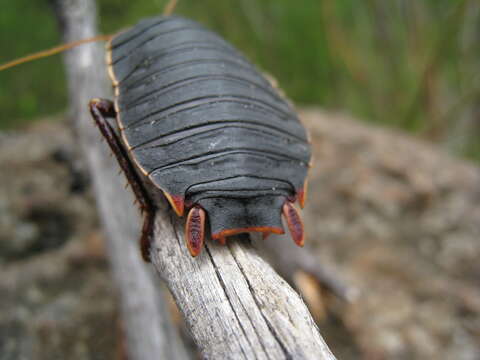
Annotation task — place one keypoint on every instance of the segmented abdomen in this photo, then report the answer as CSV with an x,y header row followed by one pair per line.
x,y
199,119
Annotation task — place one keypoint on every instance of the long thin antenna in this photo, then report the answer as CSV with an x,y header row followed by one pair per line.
x,y
167,10
170,7
53,51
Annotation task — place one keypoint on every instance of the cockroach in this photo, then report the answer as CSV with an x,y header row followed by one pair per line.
x,y
197,123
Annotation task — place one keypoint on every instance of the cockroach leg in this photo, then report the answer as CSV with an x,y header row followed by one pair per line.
x,y
147,232
294,222
100,110
195,230
222,240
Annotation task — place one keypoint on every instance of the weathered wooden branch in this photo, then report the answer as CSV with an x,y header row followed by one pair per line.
x,y
235,305
144,313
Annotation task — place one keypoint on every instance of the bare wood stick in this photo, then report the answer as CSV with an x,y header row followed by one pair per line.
x,y
236,306
147,325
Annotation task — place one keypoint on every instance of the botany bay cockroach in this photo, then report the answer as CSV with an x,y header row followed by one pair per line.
x,y
199,124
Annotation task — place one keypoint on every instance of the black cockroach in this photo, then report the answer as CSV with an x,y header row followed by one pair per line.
x,y
199,124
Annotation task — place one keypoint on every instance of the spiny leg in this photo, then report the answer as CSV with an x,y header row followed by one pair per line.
x,y
195,230
294,222
100,110
147,234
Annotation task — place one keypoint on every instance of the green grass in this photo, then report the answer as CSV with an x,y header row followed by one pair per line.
x,y
38,88
409,64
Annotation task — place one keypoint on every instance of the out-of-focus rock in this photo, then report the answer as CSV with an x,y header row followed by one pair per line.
x,y
57,299
401,221
39,210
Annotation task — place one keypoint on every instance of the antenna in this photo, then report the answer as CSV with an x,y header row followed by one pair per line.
x,y
170,7
53,51
167,11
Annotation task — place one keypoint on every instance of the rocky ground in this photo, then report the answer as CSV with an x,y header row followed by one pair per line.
x,y
400,220
56,298
397,218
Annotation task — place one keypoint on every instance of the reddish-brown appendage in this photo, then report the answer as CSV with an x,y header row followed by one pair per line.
x,y
302,195
177,202
100,109
195,230
294,222
222,240
146,237
262,229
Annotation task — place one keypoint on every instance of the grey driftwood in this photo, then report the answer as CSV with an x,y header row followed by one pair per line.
x,y
233,302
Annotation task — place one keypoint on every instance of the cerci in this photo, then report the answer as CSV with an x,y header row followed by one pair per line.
x,y
197,123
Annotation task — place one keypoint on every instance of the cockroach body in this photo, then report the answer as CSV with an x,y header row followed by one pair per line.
x,y
199,124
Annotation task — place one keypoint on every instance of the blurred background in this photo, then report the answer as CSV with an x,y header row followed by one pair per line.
x,y
390,91
403,63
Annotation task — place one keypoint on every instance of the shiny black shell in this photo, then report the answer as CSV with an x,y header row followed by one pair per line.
x,y
201,123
